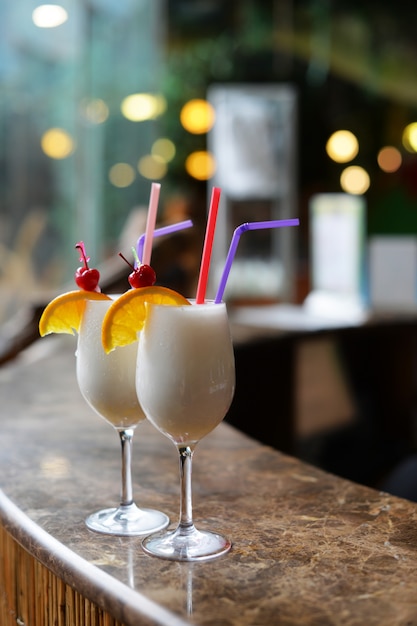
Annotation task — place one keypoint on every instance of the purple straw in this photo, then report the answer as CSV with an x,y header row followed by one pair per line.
x,y
158,232
235,241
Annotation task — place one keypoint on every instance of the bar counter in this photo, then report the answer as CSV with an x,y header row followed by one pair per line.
x,y
308,547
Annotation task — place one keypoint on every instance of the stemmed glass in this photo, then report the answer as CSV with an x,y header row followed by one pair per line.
x,y
185,380
107,383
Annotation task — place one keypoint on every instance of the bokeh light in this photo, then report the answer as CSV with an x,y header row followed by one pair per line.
x,y
95,111
200,165
342,146
164,149
389,159
410,137
57,143
197,116
152,167
121,175
49,16
355,180
139,107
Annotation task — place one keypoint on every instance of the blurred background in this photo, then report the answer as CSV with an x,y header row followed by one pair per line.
x,y
99,98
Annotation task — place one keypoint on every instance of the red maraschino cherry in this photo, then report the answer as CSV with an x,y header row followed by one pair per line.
x,y
141,276
86,277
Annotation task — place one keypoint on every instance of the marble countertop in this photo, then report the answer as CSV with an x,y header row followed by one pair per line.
x,y
308,548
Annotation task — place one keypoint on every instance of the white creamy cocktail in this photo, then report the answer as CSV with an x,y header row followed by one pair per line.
x,y
185,379
107,382
185,371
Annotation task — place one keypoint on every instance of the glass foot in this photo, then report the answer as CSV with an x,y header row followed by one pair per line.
x,y
127,521
187,545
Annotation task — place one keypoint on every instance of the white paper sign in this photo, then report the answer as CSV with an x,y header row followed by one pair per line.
x,y
337,243
393,272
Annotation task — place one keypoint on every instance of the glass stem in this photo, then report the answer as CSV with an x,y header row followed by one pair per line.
x,y
126,437
186,504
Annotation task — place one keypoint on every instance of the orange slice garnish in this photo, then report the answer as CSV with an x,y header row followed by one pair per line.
x,y
64,313
127,315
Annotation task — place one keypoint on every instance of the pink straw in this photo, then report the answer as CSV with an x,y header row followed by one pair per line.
x,y
234,243
159,232
208,246
150,223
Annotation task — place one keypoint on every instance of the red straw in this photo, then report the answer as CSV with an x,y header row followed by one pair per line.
x,y
208,246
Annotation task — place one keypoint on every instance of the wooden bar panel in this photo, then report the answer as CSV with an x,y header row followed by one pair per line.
x,y
31,595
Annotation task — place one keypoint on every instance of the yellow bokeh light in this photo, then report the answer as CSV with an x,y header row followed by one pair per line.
x,y
355,180
139,107
121,175
200,165
57,143
197,116
95,111
152,167
342,146
49,16
164,149
389,159
410,137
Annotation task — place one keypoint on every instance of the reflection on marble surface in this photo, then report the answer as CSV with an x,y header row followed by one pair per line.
x,y
307,547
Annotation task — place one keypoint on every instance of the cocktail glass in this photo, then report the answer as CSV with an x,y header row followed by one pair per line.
x,y
185,380
107,383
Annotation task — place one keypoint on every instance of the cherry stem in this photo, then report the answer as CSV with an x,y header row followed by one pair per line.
x,y
125,259
80,246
